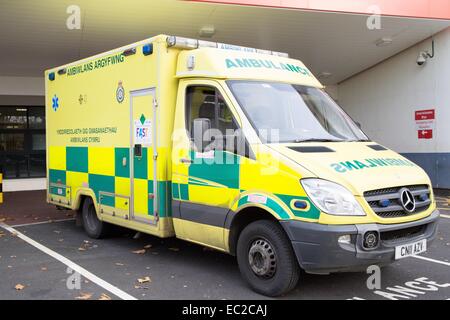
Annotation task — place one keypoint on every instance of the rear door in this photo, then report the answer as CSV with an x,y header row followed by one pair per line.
x,y
143,155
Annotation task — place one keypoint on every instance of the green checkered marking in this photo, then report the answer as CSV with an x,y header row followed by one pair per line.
x,y
77,159
103,183
141,165
120,170
57,176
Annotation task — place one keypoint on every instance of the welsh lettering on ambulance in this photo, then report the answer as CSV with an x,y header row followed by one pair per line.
x,y
345,166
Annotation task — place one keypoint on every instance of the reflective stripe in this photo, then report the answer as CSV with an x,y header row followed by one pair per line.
x,y
200,213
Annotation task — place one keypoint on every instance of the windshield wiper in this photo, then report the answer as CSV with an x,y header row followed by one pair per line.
x,y
360,140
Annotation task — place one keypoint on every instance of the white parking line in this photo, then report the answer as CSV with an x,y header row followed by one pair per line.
x,y
88,275
432,260
42,222
445,216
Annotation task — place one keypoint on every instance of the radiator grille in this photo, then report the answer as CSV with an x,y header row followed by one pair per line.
x,y
387,203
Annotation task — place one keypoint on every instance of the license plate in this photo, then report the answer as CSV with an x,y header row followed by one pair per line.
x,y
410,249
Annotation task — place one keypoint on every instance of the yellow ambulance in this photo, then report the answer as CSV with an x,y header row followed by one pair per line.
x,y
233,148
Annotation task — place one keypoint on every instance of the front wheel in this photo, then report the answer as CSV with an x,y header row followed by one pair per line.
x,y
266,258
92,225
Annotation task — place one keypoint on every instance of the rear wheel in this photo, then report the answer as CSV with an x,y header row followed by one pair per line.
x,y
92,225
266,259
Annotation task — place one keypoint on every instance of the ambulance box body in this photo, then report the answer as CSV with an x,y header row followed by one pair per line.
x,y
233,148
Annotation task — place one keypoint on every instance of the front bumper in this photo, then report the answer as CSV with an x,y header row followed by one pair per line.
x,y
318,250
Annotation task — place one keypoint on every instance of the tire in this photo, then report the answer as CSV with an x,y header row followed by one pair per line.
x,y
266,258
93,227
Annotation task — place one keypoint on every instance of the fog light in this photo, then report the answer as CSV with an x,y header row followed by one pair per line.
x,y
345,239
370,240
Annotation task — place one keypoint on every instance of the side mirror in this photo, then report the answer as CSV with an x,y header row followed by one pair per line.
x,y
202,133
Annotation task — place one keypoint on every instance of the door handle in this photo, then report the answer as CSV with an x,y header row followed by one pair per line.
x,y
138,150
186,160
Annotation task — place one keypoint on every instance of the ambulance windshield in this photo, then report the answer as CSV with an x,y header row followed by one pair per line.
x,y
282,112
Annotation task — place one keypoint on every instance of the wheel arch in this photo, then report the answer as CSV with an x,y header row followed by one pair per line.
x,y
243,218
81,196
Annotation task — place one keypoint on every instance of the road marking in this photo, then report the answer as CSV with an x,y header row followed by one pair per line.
x,y
88,275
42,222
445,216
432,260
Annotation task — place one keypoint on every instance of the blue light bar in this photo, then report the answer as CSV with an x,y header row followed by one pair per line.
x,y
51,76
147,49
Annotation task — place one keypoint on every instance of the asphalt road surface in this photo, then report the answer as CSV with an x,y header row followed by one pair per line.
x,y
39,263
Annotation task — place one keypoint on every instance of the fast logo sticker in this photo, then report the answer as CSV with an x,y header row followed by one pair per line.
x,y
143,131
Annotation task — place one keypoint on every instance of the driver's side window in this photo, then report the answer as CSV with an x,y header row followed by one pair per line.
x,y
207,102
206,107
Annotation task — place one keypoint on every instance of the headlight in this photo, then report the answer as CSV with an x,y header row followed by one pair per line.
x,y
332,198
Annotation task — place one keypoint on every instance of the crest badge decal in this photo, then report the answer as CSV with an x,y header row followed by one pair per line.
x,y
120,93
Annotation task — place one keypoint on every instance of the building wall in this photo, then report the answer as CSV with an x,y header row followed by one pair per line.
x,y
384,100
333,91
10,185
22,86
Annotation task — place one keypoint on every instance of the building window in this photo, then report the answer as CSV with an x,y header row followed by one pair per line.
x,y
22,142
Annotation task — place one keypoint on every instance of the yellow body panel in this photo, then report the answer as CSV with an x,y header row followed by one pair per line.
x,y
57,157
101,161
208,235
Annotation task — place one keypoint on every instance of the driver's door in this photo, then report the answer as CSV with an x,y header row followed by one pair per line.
x,y
206,180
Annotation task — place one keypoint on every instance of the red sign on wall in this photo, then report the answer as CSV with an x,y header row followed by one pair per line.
x,y
425,134
425,114
425,121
